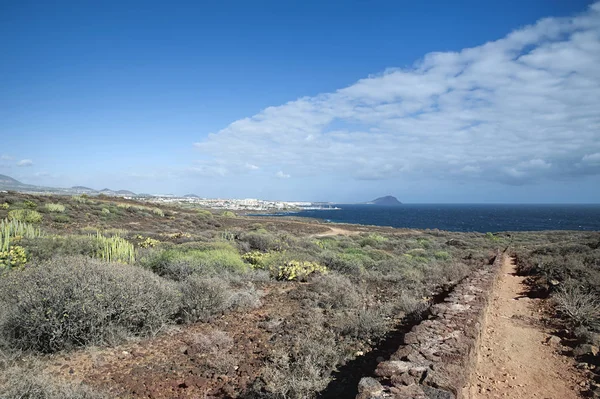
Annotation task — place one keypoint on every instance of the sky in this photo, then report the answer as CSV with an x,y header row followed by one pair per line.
x,y
343,101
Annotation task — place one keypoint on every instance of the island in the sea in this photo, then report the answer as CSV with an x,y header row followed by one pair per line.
x,y
388,200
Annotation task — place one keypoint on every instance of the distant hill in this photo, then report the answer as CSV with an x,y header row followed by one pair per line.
x,y
388,200
10,184
191,196
7,180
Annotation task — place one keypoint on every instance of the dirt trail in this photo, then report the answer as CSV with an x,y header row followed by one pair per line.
x,y
514,360
335,231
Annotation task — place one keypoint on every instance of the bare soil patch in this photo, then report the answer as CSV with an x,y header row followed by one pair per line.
x,y
515,359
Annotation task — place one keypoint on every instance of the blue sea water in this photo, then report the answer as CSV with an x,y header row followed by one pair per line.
x,y
465,217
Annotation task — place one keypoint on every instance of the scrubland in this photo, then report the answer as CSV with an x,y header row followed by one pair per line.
x,y
104,297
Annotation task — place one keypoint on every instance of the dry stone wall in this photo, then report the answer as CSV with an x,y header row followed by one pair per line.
x,y
438,354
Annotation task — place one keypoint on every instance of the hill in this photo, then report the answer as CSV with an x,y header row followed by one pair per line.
x,y
388,200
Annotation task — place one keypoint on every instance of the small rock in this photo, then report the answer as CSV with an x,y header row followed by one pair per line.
x,y
585,350
368,387
553,340
582,366
359,353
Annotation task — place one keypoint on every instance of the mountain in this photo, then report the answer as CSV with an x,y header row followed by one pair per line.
x,y
388,200
7,180
10,184
191,196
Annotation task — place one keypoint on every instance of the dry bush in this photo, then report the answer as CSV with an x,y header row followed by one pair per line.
x,y
77,301
203,298
215,351
302,371
365,323
21,383
335,291
579,307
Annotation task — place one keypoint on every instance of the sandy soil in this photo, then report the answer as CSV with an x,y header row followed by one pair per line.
x,y
514,358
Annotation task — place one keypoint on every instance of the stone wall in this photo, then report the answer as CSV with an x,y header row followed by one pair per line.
x,y
438,354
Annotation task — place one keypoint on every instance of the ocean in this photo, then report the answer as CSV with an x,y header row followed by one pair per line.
x,y
464,217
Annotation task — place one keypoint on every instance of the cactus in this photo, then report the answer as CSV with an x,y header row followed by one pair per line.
x,y
15,228
115,249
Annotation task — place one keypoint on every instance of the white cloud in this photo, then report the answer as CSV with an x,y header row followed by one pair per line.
x,y
6,157
519,109
282,175
251,166
592,159
25,162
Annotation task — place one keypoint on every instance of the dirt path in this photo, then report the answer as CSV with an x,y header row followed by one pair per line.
x,y
336,231
514,359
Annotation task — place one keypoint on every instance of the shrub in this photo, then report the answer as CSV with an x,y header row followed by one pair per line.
x,y
177,263
262,241
365,323
579,307
295,270
45,248
158,212
4,205
61,219
228,214
148,242
76,301
13,258
57,208
82,199
203,298
304,369
29,204
105,211
335,291
25,215
21,383
204,214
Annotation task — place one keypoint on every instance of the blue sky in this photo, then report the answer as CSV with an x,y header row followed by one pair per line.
x,y
466,101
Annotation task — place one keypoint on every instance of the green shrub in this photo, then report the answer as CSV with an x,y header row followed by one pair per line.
x,y
82,199
158,212
105,211
57,208
204,214
76,301
61,219
297,270
5,206
14,258
25,215
179,263
228,214
29,204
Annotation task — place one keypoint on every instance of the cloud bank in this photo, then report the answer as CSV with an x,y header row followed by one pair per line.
x,y
25,163
517,110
